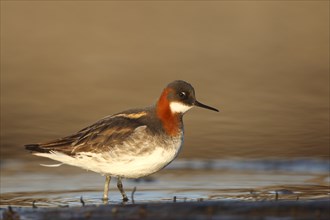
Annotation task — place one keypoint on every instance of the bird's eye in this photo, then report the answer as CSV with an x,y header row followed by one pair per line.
x,y
182,94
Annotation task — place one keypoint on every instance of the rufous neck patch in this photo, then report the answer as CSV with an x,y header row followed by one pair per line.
x,y
170,121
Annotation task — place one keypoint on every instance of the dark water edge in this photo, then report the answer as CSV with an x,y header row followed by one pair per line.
x,y
311,165
276,210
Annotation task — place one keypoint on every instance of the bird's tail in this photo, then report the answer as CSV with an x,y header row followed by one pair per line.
x,y
36,148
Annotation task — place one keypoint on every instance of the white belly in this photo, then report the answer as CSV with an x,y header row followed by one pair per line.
x,y
121,164
134,167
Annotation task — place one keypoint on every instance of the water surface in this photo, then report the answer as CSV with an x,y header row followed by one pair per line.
x,y
264,64
188,180
268,74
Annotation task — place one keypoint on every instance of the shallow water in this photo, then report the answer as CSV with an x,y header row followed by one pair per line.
x,y
186,180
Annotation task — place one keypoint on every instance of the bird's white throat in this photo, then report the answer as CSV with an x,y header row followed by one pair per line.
x,y
178,107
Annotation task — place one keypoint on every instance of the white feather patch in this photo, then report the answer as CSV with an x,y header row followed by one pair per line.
x,y
51,165
177,107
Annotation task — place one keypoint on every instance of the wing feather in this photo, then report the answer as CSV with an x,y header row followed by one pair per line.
x,y
103,135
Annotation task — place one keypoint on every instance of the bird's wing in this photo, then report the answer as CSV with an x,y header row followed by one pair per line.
x,y
103,135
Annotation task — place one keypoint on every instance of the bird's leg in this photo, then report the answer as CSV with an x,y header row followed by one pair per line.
x,y
120,187
106,188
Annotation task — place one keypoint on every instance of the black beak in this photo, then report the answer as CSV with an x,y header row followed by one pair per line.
x,y
205,106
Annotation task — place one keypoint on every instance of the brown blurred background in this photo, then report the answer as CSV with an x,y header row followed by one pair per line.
x,y
264,64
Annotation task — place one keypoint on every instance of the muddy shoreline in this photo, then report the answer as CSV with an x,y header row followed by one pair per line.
x,y
313,209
